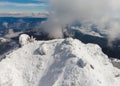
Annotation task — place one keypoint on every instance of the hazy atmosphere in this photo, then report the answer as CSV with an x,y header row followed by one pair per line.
x,y
59,43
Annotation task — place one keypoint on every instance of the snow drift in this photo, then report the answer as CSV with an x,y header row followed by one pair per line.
x,y
59,62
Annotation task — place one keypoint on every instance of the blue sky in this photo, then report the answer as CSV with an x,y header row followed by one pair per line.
x,y
23,5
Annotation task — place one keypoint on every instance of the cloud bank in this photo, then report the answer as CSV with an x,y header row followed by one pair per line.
x,y
22,4
102,13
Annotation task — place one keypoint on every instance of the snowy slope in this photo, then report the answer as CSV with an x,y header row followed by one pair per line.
x,y
60,62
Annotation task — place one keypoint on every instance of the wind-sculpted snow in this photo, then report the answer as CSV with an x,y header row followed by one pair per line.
x,y
59,62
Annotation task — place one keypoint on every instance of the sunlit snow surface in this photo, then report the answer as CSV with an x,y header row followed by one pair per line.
x,y
59,62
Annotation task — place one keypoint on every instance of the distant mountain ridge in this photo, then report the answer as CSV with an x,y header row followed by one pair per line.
x,y
22,14
18,24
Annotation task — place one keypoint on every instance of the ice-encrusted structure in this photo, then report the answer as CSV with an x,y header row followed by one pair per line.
x,y
59,62
24,39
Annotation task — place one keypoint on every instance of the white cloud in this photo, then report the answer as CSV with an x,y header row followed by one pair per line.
x,y
21,4
41,0
103,13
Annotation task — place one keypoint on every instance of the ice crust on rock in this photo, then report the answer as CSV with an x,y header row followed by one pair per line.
x,y
24,39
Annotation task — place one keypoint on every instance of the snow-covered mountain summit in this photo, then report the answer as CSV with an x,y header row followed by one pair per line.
x,y
59,62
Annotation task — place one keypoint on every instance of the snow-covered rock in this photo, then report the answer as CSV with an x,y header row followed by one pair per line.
x,y
3,40
59,62
42,49
25,39
115,62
